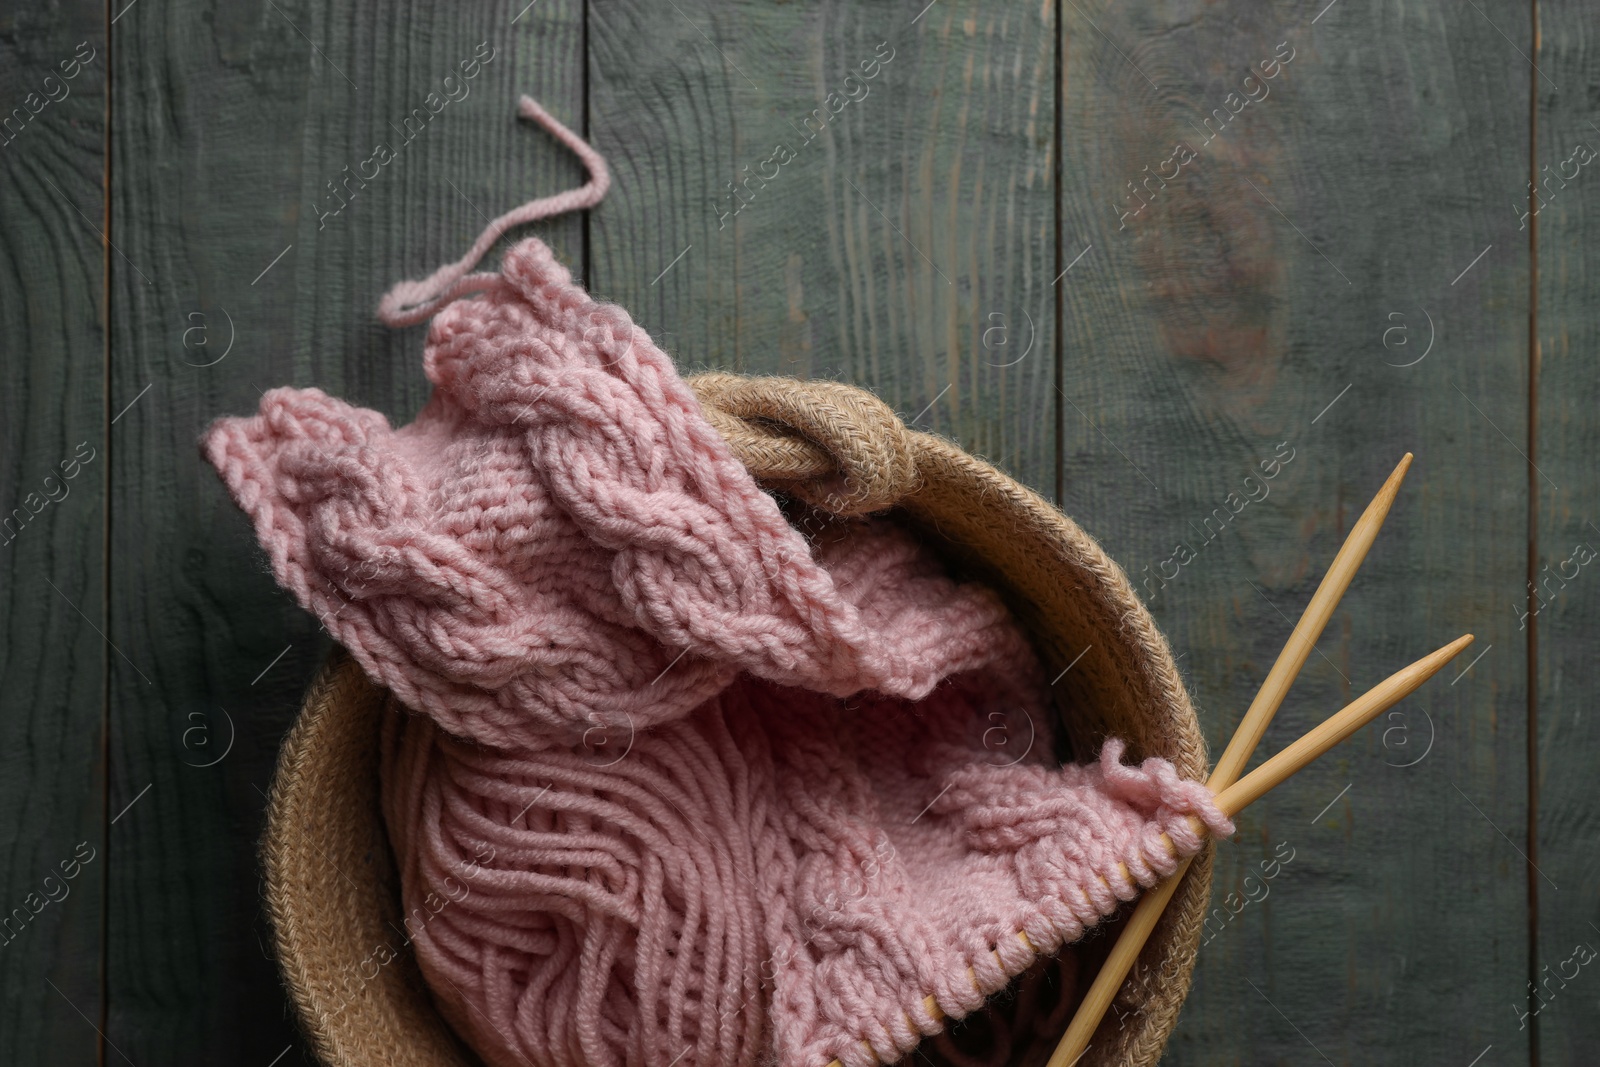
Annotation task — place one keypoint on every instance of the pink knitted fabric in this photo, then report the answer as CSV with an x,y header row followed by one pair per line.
x,y
686,787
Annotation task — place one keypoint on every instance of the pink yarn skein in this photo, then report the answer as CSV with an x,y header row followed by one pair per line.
x,y
686,787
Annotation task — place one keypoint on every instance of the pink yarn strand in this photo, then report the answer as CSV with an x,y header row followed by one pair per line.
x,y
410,302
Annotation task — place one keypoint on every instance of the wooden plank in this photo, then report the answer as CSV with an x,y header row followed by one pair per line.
x,y
859,193
1564,608
1236,315
863,193
53,425
230,123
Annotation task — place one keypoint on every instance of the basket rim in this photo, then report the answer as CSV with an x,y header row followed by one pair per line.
x,y
323,807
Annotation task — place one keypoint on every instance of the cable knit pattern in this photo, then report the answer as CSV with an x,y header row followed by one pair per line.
x,y
779,873
686,787
557,528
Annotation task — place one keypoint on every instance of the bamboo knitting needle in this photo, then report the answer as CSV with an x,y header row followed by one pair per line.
x,y
1251,728
1338,726
1317,741
1346,721
1352,717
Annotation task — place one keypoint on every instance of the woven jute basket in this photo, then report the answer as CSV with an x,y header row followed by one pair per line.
x,y
331,890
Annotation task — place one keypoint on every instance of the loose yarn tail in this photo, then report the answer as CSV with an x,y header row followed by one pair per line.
x,y
411,302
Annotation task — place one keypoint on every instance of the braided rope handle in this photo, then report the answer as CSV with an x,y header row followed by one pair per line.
x,y
832,445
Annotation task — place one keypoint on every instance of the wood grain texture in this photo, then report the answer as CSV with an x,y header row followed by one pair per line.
x,y
1564,606
1208,332
855,192
53,427
1275,297
230,123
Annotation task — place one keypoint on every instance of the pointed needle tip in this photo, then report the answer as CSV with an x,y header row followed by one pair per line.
x,y
1391,485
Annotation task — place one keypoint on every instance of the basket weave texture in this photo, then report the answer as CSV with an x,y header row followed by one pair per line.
x,y
331,891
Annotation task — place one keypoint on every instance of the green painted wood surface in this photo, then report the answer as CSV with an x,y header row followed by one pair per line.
x,y
1563,606
905,239
1241,313
230,124
952,237
54,430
